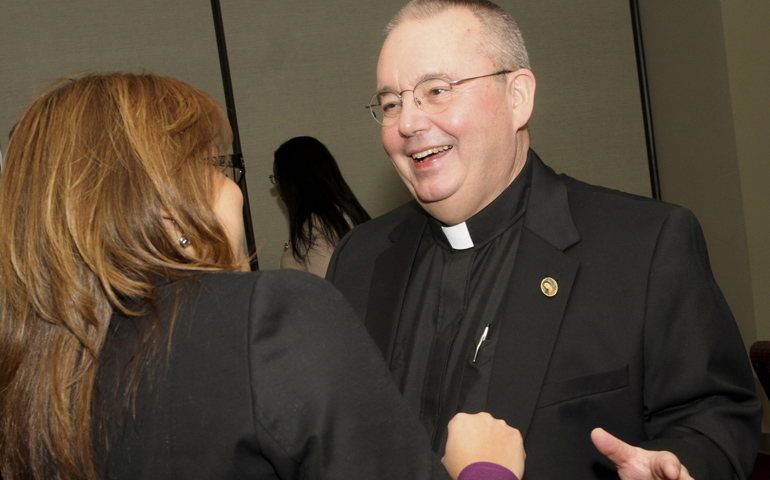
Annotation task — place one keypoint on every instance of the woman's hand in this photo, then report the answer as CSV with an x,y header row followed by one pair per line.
x,y
482,438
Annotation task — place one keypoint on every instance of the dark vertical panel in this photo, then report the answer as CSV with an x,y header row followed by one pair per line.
x,y
224,65
644,91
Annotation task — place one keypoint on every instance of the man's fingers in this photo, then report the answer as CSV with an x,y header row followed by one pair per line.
x,y
636,463
672,468
611,447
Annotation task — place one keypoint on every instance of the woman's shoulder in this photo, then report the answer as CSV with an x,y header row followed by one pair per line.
x,y
271,286
297,307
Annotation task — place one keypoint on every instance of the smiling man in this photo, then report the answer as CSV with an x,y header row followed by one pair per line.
x,y
457,160
553,304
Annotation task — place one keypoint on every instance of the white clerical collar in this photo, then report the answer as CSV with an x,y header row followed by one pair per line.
x,y
459,236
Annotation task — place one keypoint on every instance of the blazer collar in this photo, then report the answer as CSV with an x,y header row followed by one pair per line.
x,y
548,214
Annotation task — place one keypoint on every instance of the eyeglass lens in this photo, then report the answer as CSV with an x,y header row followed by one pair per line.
x,y
433,95
227,165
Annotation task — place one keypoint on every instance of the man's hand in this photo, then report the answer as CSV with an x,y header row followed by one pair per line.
x,y
636,463
482,438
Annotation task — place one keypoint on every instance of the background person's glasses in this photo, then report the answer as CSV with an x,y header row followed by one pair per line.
x,y
273,178
432,95
230,165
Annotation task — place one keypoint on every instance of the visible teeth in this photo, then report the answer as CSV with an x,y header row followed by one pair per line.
x,y
430,151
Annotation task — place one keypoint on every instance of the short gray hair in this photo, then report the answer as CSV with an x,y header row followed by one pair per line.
x,y
505,47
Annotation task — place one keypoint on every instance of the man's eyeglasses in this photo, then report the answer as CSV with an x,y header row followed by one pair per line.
x,y
230,165
273,178
432,95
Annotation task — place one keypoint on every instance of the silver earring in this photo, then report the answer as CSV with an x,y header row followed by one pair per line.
x,y
184,242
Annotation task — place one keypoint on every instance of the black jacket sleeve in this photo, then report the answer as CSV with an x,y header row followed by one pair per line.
x,y
324,403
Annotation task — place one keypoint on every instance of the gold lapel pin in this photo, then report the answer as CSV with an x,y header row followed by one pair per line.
x,y
549,287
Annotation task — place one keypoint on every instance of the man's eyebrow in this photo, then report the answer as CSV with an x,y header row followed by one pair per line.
x,y
386,89
424,76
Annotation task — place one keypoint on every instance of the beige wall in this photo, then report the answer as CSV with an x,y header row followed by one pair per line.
x,y
308,68
709,69
303,67
747,44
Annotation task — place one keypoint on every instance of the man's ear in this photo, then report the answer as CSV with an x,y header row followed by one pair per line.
x,y
521,89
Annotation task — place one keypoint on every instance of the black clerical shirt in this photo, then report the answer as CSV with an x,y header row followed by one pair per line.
x,y
448,330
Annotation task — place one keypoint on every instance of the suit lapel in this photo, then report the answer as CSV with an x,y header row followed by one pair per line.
x,y
390,280
528,331
531,320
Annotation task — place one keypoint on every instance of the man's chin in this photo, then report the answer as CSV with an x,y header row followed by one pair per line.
x,y
429,203
430,195
441,210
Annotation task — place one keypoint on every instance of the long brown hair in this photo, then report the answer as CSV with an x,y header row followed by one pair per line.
x,y
93,167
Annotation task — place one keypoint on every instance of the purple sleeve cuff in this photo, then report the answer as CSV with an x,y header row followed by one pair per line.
x,y
486,471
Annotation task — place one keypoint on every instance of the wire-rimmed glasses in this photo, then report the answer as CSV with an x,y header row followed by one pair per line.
x,y
432,95
230,165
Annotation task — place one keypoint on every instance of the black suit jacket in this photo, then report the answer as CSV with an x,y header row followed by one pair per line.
x,y
638,340
268,375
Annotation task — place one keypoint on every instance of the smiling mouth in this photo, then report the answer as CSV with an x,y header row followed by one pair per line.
x,y
421,156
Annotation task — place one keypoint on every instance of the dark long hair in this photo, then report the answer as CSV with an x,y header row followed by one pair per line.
x,y
317,197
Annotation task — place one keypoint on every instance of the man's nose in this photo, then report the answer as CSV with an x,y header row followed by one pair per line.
x,y
412,119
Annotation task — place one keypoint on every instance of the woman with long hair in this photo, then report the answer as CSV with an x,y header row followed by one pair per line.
x,y
130,344
322,207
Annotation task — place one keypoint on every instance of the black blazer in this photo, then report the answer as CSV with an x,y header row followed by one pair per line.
x,y
638,340
268,375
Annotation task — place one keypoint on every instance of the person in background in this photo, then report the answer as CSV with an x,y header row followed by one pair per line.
x,y
132,346
322,208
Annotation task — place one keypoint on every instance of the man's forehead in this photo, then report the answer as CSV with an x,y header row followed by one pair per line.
x,y
441,46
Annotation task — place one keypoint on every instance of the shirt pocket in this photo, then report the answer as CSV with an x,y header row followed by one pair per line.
x,y
583,386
